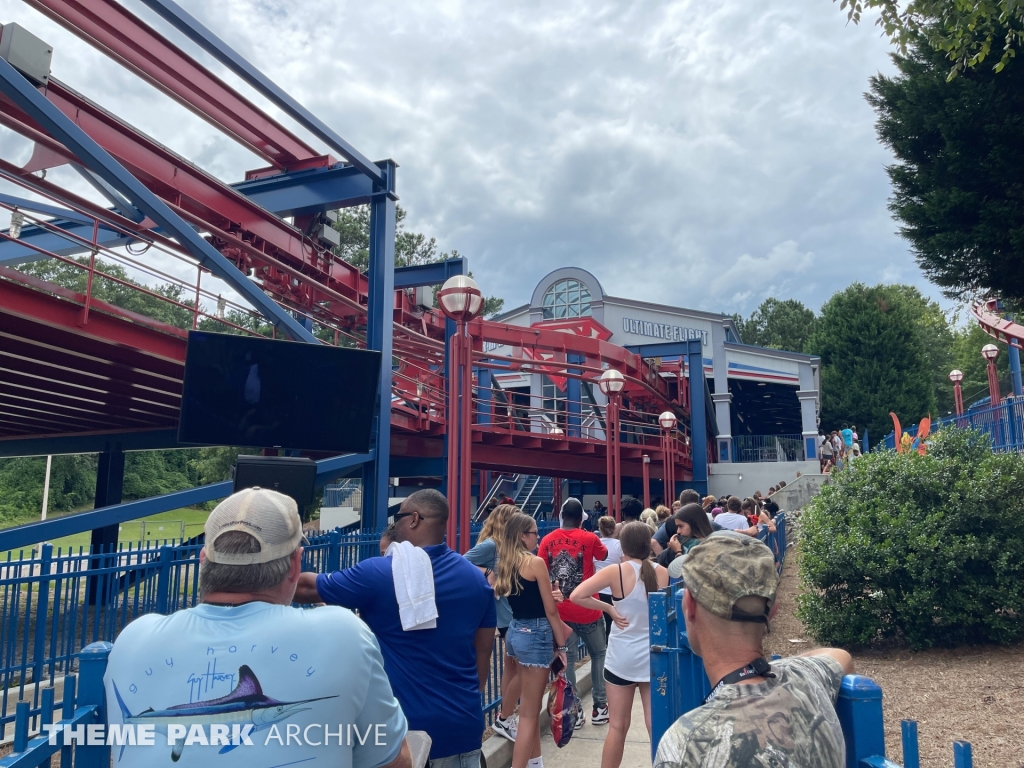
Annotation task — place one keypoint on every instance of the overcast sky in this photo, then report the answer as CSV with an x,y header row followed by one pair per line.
x,y
703,153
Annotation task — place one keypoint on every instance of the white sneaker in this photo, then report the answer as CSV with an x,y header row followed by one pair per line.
x,y
507,728
581,719
599,716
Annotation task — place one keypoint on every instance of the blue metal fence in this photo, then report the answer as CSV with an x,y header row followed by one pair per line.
x,y
53,603
1003,423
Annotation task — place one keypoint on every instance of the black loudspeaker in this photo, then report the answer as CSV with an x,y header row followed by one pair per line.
x,y
295,477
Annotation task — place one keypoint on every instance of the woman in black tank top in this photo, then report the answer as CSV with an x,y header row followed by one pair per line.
x,y
527,604
536,635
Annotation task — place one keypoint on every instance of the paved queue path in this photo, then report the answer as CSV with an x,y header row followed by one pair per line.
x,y
584,750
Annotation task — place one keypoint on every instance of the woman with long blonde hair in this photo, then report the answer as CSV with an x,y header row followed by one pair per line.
x,y
536,636
627,665
485,557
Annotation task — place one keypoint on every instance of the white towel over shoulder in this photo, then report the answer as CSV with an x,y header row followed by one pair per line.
x,y
414,586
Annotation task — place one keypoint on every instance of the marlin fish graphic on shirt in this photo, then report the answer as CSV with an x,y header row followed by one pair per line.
x,y
245,705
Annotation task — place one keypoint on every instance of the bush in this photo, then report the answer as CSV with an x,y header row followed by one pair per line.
x,y
923,550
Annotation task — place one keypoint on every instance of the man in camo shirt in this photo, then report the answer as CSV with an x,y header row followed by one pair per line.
x,y
758,715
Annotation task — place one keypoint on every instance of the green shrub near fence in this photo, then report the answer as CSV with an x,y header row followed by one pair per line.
x,y
922,550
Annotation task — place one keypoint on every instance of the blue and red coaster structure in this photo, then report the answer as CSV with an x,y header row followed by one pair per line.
x,y
80,375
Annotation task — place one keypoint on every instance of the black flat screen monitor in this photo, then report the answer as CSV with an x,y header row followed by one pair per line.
x,y
264,393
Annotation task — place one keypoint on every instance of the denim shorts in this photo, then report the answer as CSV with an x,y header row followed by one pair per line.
x,y
531,642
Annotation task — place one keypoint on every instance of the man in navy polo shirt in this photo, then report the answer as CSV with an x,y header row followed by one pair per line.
x,y
436,674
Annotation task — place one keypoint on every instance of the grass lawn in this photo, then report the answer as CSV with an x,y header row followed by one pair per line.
x,y
166,525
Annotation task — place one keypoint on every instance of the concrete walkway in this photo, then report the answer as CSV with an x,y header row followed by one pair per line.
x,y
584,750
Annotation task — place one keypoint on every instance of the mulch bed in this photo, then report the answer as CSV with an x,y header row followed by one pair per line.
x,y
973,694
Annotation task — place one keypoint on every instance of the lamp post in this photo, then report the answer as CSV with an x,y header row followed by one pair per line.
x,y
461,300
990,352
956,376
668,422
611,384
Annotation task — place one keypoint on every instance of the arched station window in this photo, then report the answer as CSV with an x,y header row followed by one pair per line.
x,y
567,298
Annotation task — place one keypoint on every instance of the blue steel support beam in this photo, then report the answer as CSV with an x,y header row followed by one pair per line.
x,y
379,323
222,52
312,191
574,398
44,209
429,274
95,158
698,416
485,395
1015,377
13,252
109,488
46,530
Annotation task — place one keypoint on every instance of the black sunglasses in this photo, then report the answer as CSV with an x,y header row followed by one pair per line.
x,y
400,515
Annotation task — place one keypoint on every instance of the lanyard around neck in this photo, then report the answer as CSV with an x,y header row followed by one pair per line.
x,y
757,668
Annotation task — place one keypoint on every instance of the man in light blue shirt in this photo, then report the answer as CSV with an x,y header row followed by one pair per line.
x,y
244,679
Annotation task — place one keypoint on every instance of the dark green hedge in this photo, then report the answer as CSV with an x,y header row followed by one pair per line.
x,y
922,550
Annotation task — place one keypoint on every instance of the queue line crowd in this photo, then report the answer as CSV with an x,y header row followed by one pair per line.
x,y
419,653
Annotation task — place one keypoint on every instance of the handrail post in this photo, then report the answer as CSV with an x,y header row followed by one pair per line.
x,y
962,757
20,727
92,666
911,751
68,712
859,708
662,679
333,552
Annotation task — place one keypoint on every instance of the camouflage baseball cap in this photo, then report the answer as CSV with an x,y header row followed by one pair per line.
x,y
727,566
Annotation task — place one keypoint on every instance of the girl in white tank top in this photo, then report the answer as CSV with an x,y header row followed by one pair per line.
x,y
627,665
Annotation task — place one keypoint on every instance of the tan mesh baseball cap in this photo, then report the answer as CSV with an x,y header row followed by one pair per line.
x,y
727,566
270,517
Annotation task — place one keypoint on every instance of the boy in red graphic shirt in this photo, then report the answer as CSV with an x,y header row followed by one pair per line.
x,y
570,553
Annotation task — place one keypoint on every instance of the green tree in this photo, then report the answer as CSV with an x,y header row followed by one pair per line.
x,y
937,338
411,248
873,360
957,180
778,324
965,32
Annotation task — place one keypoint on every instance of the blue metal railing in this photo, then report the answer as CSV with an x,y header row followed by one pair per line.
x,y
760,448
84,704
1003,423
679,684
55,602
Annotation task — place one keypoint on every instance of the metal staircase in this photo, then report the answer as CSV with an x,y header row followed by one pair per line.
x,y
536,497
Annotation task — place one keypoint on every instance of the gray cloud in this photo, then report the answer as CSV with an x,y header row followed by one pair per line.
x,y
707,154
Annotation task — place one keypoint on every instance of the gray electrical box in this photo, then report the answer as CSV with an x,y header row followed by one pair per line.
x,y
423,296
26,53
330,235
